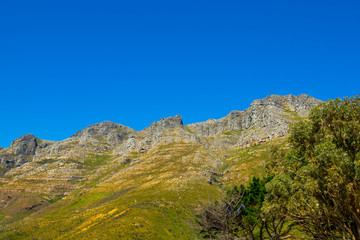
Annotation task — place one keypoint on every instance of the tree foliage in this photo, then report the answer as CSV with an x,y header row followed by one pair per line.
x,y
317,184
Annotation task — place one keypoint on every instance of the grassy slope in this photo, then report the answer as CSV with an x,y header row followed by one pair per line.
x,y
154,198
243,164
151,199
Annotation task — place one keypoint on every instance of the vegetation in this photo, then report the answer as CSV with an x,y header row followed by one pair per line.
x,y
233,132
317,184
241,215
154,198
312,189
304,187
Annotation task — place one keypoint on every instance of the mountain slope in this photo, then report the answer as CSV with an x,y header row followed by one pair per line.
x,y
109,181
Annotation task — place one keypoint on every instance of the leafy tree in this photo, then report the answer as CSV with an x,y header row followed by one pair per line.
x,y
250,219
318,180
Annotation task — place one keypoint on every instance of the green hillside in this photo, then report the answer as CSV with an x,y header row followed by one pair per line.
x,y
109,181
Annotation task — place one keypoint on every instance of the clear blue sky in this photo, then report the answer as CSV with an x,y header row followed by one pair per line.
x,y
67,64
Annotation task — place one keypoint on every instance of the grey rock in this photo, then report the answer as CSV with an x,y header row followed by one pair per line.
x,y
126,161
265,120
211,177
25,145
162,131
9,161
167,123
165,131
24,149
107,132
301,104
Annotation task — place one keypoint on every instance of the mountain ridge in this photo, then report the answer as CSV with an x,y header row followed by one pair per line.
x,y
262,113
108,175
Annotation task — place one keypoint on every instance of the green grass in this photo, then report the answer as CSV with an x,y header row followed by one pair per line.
x,y
233,132
44,161
189,130
293,116
2,216
133,155
243,164
97,160
39,141
2,171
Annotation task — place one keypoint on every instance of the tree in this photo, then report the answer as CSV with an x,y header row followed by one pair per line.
x,y
240,215
218,219
318,185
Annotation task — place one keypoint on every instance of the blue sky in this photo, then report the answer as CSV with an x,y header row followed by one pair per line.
x,y
65,65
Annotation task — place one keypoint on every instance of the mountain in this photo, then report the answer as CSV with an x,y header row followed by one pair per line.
x,y
109,181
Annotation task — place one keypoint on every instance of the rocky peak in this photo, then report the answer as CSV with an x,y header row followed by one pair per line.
x,y
110,132
164,131
25,145
301,104
264,120
234,114
168,123
101,129
273,100
270,112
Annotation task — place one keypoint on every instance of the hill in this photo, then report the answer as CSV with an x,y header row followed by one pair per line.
x,y
109,181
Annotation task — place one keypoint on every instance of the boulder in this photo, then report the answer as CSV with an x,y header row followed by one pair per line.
x,y
109,132
25,145
167,123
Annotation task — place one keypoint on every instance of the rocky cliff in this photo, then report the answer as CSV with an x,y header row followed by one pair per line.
x,y
22,150
263,121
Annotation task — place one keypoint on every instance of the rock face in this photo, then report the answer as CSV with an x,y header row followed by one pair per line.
x,y
25,145
265,113
263,121
301,104
167,123
274,112
156,129
22,150
166,130
109,132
